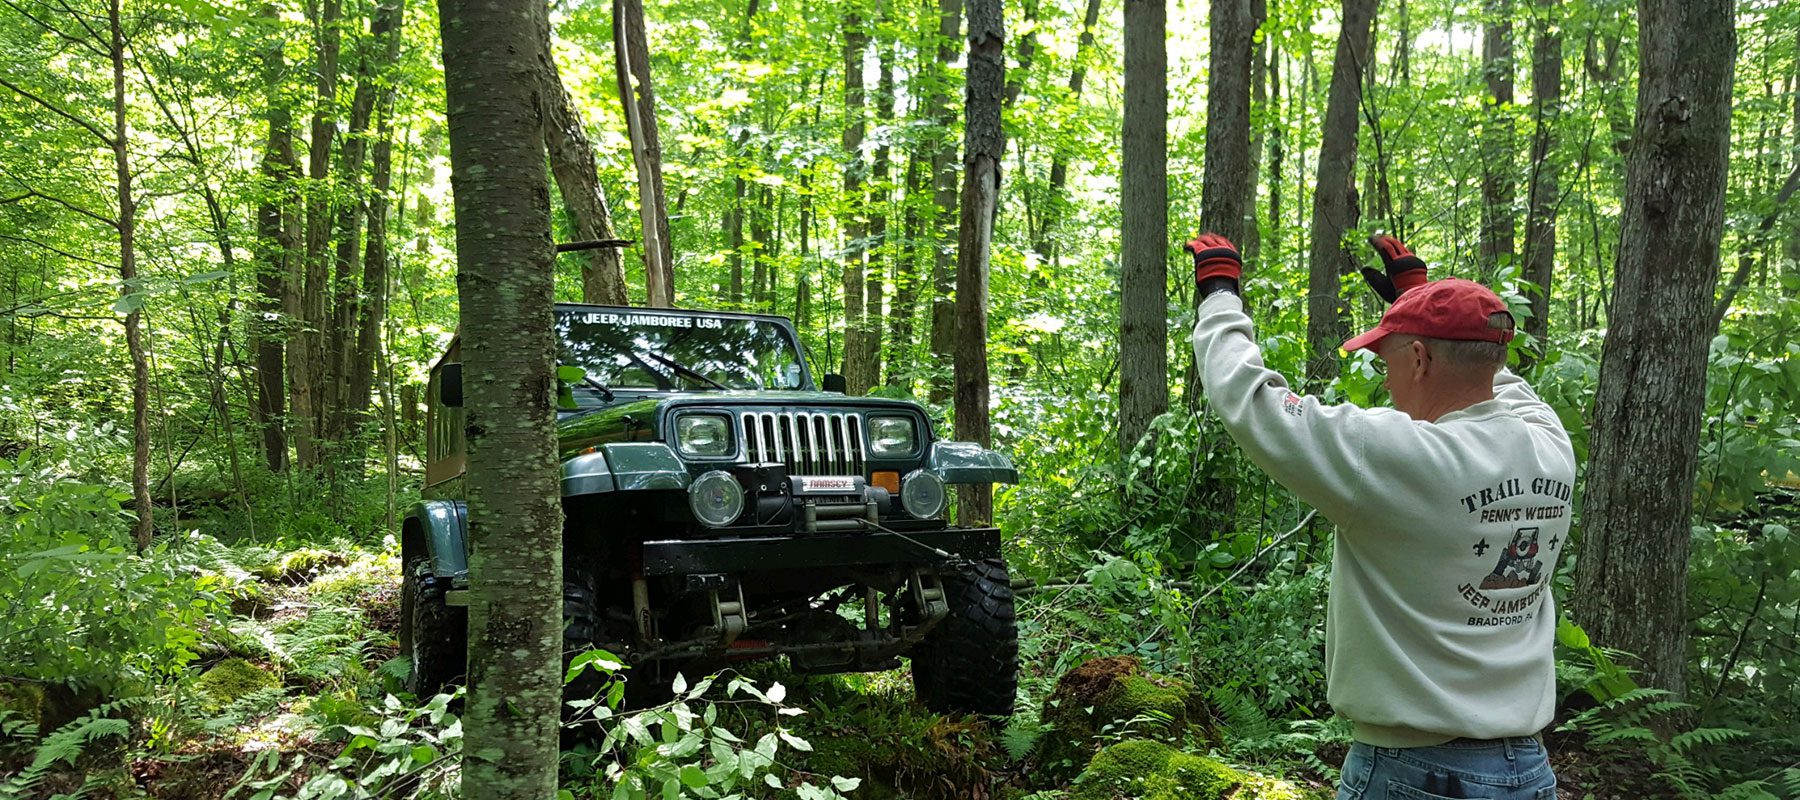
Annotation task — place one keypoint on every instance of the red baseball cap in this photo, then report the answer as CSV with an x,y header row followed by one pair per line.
x,y
1451,308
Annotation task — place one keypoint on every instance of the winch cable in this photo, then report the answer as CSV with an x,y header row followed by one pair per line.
x,y
908,539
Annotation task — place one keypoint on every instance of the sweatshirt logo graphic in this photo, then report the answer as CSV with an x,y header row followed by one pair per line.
x,y
1519,565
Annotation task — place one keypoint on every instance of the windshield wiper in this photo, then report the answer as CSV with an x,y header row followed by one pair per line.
x,y
595,384
685,370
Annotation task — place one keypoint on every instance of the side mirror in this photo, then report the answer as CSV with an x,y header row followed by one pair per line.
x,y
450,385
834,382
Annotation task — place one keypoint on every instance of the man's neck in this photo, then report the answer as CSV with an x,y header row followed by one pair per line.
x,y
1453,401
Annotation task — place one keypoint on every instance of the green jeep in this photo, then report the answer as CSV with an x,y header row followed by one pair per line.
x,y
719,507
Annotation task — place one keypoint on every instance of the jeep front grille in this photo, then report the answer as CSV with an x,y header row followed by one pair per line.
x,y
807,442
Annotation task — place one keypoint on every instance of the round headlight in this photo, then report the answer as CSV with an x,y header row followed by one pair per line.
x,y
716,498
704,435
922,494
891,436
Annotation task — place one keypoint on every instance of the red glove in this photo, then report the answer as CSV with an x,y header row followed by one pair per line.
x,y
1217,265
1404,270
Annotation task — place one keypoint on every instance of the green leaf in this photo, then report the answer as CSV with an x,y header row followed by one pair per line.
x,y
693,776
128,304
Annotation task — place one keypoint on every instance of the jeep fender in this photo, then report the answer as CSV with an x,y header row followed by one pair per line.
x,y
967,462
439,530
624,467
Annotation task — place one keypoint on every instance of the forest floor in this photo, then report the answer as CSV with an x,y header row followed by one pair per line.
x,y
309,652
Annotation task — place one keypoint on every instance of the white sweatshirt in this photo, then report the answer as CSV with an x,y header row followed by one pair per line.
x,y
1440,622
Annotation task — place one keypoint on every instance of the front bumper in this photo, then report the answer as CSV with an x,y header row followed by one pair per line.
x,y
814,551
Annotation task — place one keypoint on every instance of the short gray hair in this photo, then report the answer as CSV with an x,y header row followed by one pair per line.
x,y
1460,354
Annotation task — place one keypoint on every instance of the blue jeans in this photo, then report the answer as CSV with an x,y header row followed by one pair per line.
x,y
1464,769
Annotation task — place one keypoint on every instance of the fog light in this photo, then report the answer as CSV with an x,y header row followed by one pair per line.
x,y
922,494
717,499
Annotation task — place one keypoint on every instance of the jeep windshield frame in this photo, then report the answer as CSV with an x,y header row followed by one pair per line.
x,y
662,350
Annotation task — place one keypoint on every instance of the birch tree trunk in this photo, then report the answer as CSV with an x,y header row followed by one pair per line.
x,y
1631,579
504,282
1334,194
1144,230
984,145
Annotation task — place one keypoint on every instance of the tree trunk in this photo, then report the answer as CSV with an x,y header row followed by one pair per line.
x,y
1225,199
943,171
858,358
1045,247
734,241
134,343
906,281
274,254
1631,578
881,193
372,309
306,355
1274,250
1546,167
1497,139
631,55
1334,195
1144,232
342,323
504,253
1227,204
984,145
578,183
355,328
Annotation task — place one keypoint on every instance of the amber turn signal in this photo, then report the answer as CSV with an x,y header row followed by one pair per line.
x,y
886,480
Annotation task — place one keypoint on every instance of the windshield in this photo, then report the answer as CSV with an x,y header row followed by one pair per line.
x,y
670,352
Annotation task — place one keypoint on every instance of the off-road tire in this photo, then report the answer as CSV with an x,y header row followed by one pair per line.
x,y
581,629
433,634
969,663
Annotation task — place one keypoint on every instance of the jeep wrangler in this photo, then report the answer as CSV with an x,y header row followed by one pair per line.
x,y
719,507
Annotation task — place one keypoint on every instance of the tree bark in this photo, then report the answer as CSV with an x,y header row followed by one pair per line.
x,y
1054,202
1497,139
1546,167
504,282
906,280
1334,196
357,329
881,193
1144,231
578,184
1631,579
306,353
274,256
372,308
858,357
134,342
943,171
1225,206
631,55
984,145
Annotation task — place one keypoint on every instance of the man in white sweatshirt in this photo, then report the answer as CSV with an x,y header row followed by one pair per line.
x,y
1451,513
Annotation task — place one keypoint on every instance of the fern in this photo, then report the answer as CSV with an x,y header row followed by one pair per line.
x,y
1630,721
1241,720
1020,736
67,744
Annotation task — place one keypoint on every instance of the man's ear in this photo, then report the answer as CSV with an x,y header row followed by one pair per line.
x,y
1421,357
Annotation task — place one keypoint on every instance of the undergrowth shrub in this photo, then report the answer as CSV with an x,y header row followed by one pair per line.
x,y
80,606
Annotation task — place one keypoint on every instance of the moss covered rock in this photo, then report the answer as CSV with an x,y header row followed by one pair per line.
x,y
232,680
1146,770
1112,695
300,566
